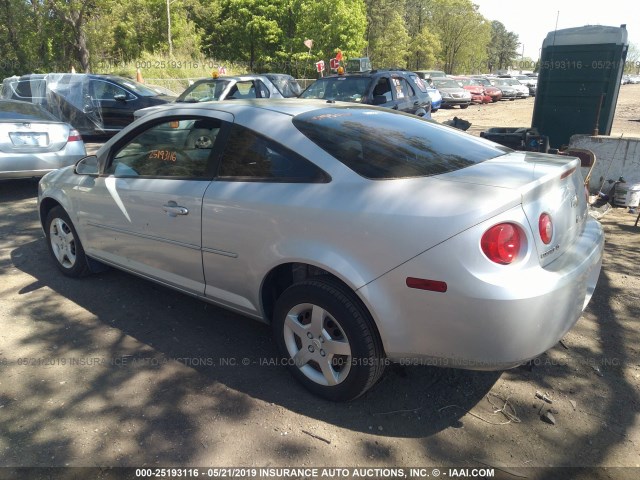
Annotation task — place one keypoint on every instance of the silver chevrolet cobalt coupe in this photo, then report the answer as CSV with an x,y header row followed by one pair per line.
x,y
362,235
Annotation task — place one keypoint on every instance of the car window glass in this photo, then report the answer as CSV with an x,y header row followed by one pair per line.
x,y
407,88
383,88
180,148
262,89
21,111
345,88
384,144
419,83
249,156
244,89
204,91
107,90
398,88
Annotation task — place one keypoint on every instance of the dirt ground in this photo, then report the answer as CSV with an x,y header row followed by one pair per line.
x,y
112,371
518,113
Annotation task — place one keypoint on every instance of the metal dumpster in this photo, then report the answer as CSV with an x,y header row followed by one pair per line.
x,y
578,81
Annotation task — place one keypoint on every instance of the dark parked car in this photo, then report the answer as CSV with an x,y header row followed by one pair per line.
x,y
399,90
93,104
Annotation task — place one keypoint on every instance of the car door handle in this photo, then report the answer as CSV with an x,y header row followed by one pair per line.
x,y
173,209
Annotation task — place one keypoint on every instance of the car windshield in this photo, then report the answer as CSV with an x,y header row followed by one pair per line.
x,y
204,91
483,81
500,82
445,83
137,88
24,111
380,144
346,88
468,81
513,81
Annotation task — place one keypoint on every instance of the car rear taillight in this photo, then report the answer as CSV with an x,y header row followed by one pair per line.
x,y
74,136
501,243
545,226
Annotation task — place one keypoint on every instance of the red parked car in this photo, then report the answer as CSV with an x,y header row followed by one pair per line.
x,y
475,88
494,92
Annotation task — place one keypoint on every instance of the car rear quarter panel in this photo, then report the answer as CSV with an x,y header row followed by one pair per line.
x,y
491,316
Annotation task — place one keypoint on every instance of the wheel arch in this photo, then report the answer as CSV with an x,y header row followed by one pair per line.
x,y
46,205
284,275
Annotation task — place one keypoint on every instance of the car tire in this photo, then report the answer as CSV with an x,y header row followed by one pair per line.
x,y
64,244
464,106
200,138
327,339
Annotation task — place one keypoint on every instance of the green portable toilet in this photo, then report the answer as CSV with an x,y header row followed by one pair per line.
x,y
578,81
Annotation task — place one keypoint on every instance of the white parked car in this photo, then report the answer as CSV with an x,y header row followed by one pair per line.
x,y
361,234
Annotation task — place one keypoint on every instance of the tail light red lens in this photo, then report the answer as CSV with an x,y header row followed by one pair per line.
x,y
545,225
501,243
74,136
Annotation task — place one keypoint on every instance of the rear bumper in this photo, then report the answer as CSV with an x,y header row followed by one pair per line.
x,y
484,321
37,165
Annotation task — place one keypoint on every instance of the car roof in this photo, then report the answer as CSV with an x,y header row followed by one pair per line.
x,y
284,106
369,73
239,78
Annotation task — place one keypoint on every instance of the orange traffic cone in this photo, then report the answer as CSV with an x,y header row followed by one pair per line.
x,y
139,78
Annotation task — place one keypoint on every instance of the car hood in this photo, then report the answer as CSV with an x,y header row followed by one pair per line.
x,y
452,90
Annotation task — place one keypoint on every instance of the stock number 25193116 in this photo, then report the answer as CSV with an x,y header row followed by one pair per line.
x,y
174,64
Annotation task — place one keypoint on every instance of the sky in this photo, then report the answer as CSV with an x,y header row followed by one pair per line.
x,y
532,20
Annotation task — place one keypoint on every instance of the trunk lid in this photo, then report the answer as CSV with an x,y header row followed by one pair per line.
x,y
547,184
32,137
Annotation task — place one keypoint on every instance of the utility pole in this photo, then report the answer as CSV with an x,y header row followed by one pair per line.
x,y
169,29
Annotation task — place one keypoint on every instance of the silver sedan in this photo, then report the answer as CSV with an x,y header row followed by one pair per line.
x,y
362,235
34,142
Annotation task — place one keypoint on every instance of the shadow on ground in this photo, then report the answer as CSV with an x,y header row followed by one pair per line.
x,y
163,364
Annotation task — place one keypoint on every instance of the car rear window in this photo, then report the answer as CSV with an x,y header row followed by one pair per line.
x,y
24,111
382,144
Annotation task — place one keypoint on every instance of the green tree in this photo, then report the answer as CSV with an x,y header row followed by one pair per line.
x,y
424,46
74,15
503,47
333,24
464,34
387,35
247,30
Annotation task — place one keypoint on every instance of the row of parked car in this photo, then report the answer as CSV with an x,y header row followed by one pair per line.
x,y
101,105
630,79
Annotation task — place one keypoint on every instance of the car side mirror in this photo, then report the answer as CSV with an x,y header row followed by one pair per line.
x,y
120,97
379,100
87,166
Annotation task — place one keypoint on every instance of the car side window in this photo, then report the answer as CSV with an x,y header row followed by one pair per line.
x,y
244,89
422,86
402,88
383,88
249,156
180,148
106,90
262,89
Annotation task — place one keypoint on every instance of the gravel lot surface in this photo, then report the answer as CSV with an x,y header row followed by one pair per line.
x,y
112,370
